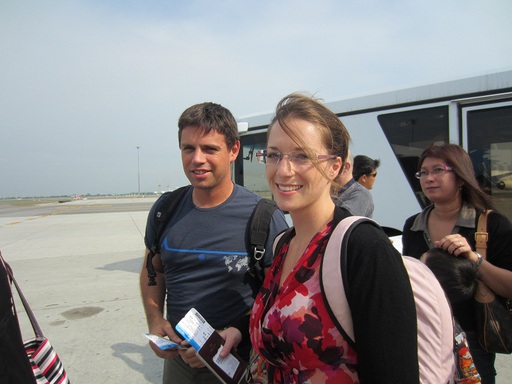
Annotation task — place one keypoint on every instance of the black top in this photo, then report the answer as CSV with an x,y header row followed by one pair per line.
x,y
416,241
14,364
373,264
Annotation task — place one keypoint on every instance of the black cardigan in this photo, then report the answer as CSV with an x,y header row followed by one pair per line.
x,y
383,309
499,253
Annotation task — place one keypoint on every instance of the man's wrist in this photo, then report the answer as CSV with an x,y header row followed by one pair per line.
x,y
242,325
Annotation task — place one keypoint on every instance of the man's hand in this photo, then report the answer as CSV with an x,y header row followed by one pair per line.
x,y
189,356
162,329
232,338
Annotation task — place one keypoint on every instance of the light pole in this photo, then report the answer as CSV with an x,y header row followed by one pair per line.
x,y
138,167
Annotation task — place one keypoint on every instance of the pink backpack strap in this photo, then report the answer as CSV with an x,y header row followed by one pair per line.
x,y
276,241
331,278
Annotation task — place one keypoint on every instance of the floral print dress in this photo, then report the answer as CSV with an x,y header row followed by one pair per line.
x,y
291,327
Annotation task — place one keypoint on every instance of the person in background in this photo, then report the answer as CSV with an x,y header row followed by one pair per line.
x,y
447,179
291,328
352,195
364,170
204,260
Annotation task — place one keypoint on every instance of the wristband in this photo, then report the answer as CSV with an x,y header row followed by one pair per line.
x,y
480,259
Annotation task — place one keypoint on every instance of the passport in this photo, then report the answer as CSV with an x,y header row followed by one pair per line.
x,y
208,343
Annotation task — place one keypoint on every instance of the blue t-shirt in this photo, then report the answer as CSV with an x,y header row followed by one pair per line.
x,y
205,257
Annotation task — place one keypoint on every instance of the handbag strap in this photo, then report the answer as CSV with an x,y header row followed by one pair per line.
x,y
35,325
481,235
483,293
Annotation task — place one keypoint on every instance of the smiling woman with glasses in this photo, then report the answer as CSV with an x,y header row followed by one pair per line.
x,y
291,329
448,180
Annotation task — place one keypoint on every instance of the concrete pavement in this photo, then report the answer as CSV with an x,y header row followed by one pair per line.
x,y
79,272
78,265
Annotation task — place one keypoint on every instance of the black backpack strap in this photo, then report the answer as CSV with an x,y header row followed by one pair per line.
x,y
257,235
168,203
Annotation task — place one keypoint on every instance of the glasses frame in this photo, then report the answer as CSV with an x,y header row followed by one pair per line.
x,y
291,156
437,171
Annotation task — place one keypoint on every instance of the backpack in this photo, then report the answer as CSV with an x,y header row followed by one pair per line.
x,y
436,358
435,322
256,231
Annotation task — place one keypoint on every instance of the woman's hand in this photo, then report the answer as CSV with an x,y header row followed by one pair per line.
x,y
457,245
498,279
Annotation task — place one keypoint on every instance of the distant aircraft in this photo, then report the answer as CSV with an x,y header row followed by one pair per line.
x,y
504,181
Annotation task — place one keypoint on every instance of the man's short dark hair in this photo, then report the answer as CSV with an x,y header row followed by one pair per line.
x,y
208,116
363,165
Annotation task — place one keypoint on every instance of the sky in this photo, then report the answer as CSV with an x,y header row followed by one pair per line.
x,y
91,91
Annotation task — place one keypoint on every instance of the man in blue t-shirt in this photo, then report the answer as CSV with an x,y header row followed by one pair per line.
x,y
203,260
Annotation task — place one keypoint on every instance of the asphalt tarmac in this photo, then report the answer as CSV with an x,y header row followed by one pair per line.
x,y
78,264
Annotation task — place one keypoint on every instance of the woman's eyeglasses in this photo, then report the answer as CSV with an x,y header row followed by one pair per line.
x,y
437,171
298,159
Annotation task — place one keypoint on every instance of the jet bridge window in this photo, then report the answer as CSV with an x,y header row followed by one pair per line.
x,y
409,133
489,134
249,172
